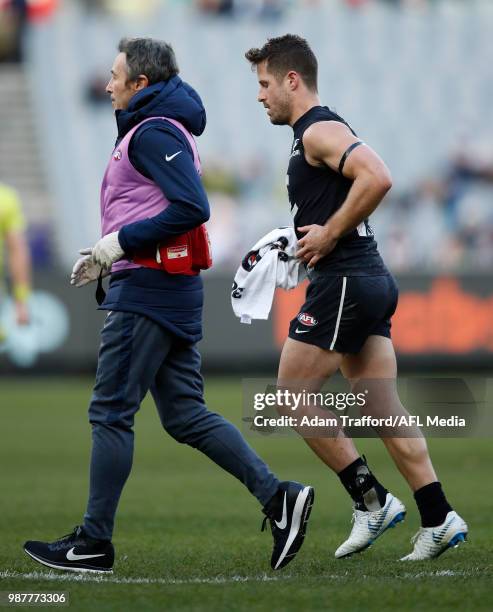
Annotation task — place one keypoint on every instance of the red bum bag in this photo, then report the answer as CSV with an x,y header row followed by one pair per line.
x,y
185,254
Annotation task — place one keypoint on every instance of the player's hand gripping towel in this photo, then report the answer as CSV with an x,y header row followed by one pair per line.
x,y
269,264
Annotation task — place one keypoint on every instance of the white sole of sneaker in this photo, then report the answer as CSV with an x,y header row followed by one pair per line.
x,y
67,569
298,513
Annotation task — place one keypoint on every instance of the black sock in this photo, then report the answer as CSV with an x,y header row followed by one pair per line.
x,y
432,504
367,493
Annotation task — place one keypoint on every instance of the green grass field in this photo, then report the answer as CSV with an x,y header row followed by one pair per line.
x,y
188,535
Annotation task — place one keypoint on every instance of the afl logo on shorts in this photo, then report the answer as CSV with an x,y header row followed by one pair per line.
x,y
306,319
117,155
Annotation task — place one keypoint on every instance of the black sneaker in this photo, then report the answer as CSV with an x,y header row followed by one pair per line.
x,y
288,512
75,552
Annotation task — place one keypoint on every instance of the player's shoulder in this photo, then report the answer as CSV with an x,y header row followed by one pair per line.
x,y
325,116
321,134
325,127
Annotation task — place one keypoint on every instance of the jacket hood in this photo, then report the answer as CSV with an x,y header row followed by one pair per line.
x,y
172,98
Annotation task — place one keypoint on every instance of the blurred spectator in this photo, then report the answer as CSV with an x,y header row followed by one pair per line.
x,y
96,90
262,9
13,19
94,5
446,223
360,3
225,230
218,178
14,16
272,9
41,242
133,9
275,9
38,10
216,7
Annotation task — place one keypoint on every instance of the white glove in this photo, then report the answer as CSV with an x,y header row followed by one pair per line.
x,y
107,250
85,270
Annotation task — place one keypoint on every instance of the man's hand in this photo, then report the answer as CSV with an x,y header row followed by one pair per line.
x,y
85,270
22,313
317,243
107,250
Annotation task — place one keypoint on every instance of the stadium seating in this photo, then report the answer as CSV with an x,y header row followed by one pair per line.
x,y
415,84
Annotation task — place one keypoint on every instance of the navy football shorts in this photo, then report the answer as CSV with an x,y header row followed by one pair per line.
x,y
341,312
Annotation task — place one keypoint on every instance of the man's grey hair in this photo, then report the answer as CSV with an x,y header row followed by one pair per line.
x,y
153,58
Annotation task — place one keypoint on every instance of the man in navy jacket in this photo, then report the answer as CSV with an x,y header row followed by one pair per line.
x,y
151,193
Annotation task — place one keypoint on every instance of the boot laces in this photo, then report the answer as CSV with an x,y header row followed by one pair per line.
x,y
75,531
416,536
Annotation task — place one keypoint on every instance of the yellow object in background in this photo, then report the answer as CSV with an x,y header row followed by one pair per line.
x,y
11,217
131,8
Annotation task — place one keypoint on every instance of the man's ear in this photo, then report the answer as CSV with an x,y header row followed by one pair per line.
x,y
293,79
141,82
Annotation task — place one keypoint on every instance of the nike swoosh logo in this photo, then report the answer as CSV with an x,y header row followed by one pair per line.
x,y
284,521
301,331
170,157
71,556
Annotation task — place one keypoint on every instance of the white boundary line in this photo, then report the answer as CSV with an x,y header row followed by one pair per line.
x,y
62,577
75,577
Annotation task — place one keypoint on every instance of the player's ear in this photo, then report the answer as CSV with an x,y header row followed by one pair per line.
x,y
293,80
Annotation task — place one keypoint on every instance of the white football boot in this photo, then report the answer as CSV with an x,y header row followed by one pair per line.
x,y
431,542
368,526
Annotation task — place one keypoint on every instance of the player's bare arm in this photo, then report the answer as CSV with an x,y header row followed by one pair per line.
x,y
20,270
326,143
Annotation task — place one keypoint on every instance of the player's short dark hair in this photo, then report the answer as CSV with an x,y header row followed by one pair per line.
x,y
285,53
153,58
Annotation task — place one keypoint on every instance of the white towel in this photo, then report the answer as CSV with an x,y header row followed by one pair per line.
x,y
269,264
